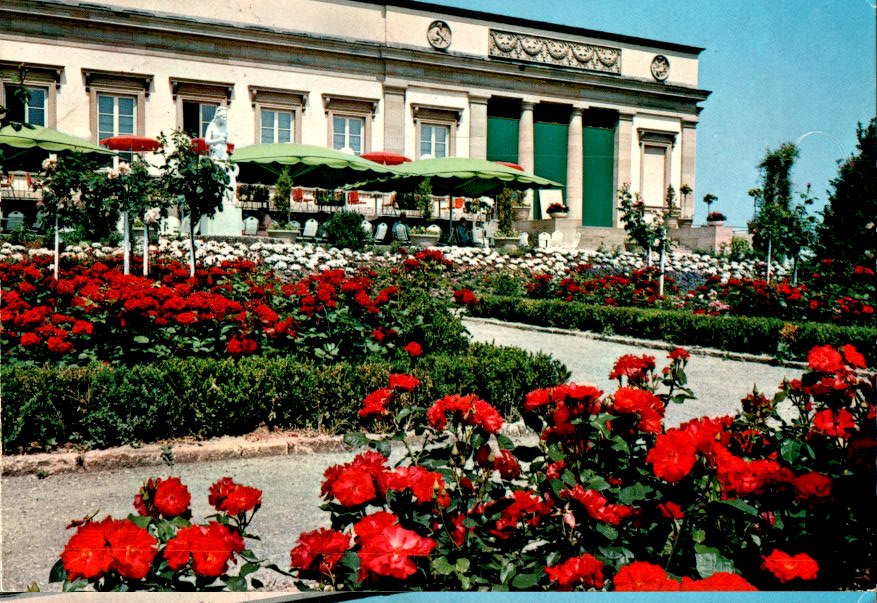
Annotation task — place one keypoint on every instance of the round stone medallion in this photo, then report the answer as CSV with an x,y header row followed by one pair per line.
x,y
660,68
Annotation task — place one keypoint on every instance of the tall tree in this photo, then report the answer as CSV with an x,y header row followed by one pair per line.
x,y
848,232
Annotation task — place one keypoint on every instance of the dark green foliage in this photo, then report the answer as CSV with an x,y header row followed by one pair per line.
x,y
505,214
344,230
848,232
283,192
734,333
419,199
101,406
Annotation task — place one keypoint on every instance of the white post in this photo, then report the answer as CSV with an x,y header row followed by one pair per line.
x,y
661,272
191,247
769,245
145,247
126,245
57,245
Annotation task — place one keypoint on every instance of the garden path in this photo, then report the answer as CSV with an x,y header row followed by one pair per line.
x,y
718,383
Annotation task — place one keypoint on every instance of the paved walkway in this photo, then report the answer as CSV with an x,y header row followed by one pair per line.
x,y
718,383
35,511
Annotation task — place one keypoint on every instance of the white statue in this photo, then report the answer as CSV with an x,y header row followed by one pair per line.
x,y
228,221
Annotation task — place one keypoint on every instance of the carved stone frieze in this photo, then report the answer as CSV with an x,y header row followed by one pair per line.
x,y
538,49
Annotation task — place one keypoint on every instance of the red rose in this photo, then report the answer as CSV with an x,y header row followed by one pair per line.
x,y
29,339
424,485
640,576
133,549
649,407
679,354
720,581
852,357
373,524
537,398
86,554
82,327
485,416
404,382
839,425
585,570
812,485
789,567
673,456
354,487
226,495
319,551
390,553
212,549
171,497
507,465
414,350
825,359
376,402
671,510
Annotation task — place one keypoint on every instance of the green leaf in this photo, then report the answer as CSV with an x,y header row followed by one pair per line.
x,y
527,453
740,505
355,439
58,573
237,584
384,447
441,566
142,339
633,493
525,581
247,569
508,569
141,521
709,560
462,565
608,531
790,450
504,442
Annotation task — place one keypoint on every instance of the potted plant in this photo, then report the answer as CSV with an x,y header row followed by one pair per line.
x,y
671,212
715,218
426,236
505,237
558,210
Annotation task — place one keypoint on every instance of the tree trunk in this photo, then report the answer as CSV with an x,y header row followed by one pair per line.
x,y
57,246
191,246
769,246
649,256
126,245
795,270
661,270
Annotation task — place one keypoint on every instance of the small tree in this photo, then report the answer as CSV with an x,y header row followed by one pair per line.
x,y
801,230
709,199
670,209
344,231
198,182
420,199
633,215
505,217
283,193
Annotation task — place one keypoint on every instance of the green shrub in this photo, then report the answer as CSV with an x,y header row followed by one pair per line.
x,y
344,230
100,406
733,333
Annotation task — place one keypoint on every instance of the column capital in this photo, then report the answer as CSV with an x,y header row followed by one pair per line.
x,y
576,110
625,116
689,123
527,105
478,99
395,88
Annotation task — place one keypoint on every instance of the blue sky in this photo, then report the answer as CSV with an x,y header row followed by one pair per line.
x,y
777,69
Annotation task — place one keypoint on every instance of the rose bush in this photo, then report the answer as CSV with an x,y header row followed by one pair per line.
x,y
160,548
607,497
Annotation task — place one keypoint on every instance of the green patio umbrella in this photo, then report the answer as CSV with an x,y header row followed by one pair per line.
x,y
460,176
25,146
309,166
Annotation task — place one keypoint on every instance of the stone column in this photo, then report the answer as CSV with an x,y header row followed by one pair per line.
x,y
394,119
478,127
574,160
623,141
525,137
689,141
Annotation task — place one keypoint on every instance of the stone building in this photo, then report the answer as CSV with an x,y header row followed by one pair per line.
x,y
590,109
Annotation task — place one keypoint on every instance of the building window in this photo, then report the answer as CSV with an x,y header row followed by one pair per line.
x,y
42,83
347,133
116,115
197,116
31,112
435,130
277,126
350,122
434,140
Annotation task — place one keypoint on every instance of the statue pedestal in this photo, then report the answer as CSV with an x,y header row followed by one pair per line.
x,y
228,222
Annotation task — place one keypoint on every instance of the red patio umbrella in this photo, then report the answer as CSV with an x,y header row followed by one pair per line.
x,y
199,145
385,157
130,142
510,164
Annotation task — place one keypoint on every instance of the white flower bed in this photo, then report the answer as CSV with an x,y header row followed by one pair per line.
x,y
296,259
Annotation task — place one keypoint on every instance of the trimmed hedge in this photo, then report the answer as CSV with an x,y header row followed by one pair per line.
x,y
732,333
100,406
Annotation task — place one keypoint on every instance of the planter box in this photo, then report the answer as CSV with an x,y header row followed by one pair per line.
x,y
424,240
521,212
558,215
507,243
286,235
715,223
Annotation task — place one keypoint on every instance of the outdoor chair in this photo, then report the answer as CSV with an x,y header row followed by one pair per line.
x,y
295,225
556,239
367,229
14,221
381,233
251,226
298,199
524,239
353,198
401,234
544,240
478,237
310,231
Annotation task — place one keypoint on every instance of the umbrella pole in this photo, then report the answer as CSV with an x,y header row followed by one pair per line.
x,y
126,245
450,216
56,245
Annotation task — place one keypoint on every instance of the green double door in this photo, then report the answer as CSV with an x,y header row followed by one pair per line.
x,y
550,157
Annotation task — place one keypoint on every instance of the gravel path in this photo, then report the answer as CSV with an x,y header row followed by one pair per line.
x,y
719,384
35,511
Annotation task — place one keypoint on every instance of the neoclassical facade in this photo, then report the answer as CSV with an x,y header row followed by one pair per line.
x,y
590,109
